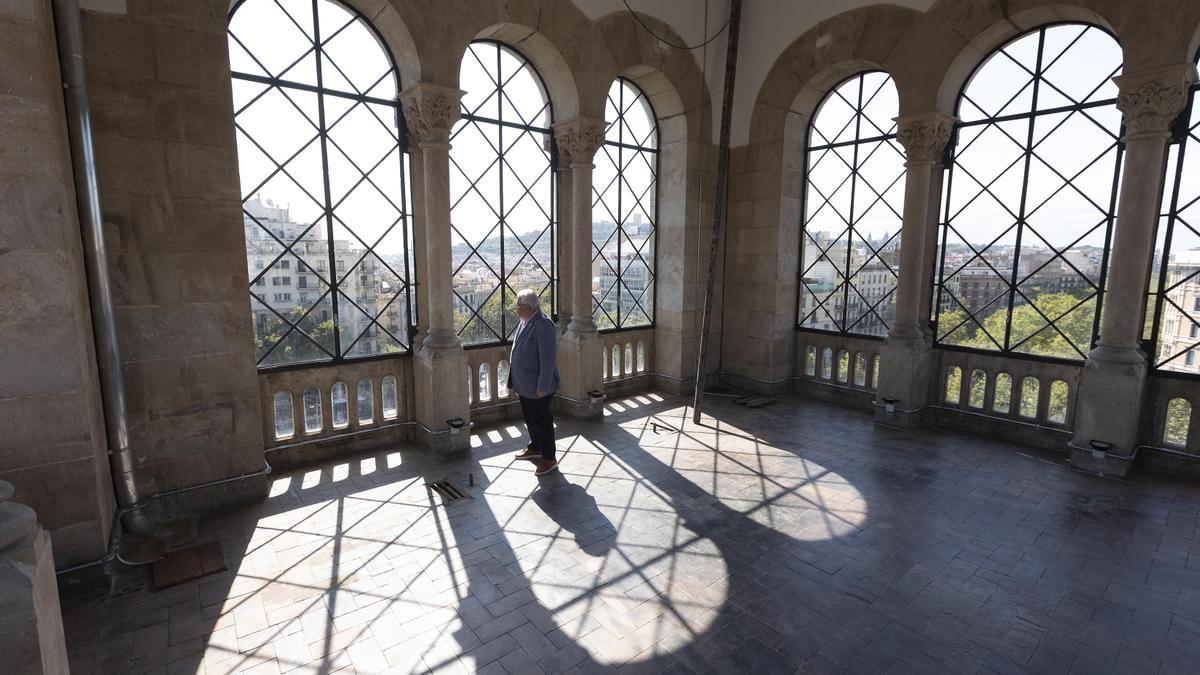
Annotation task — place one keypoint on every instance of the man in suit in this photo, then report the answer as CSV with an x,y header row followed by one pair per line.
x,y
533,374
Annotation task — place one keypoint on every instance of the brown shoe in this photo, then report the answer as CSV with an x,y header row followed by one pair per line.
x,y
529,454
546,467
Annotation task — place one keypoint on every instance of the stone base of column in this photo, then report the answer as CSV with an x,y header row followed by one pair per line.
x,y
906,369
1108,410
580,374
31,631
441,397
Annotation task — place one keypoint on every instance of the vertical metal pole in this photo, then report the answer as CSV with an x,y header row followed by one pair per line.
x,y
104,325
735,14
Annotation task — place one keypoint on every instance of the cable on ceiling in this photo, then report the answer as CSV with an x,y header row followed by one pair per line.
x,y
668,42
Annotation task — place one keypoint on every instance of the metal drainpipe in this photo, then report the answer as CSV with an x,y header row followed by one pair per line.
x,y
69,33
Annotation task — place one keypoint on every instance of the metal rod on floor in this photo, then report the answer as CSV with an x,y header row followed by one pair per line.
x,y
735,14
104,325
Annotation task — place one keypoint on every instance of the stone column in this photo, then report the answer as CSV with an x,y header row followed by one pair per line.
x,y
31,631
1113,381
563,299
440,364
579,346
906,366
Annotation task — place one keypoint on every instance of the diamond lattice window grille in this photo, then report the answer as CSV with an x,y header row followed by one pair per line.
x,y
1030,197
853,199
1173,305
323,181
624,211
503,225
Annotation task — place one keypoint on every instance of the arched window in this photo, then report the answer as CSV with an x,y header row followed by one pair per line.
x,y
1173,314
875,372
485,382
1031,194
827,364
1060,397
502,193
628,358
1030,393
616,361
860,369
853,199
810,361
1002,396
388,389
312,410
953,384
502,380
978,390
843,366
624,210
364,404
1178,422
641,357
323,182
340,404
285,424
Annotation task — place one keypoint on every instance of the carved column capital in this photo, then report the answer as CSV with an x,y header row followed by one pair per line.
x,y
578,140
1151,101
430,111
924,135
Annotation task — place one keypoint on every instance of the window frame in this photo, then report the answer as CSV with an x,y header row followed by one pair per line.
x,y
327,207
1181,132
656,151
804,188
1011,282
464,115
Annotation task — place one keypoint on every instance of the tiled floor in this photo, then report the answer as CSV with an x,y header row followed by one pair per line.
x,y
798,536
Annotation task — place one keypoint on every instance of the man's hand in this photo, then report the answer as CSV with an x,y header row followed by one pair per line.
x,y
541,393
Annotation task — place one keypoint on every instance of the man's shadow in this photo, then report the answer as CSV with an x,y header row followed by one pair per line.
x,y
574,510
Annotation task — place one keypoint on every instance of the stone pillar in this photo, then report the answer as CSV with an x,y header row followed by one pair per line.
x,y
440,364
1113,382
31,631
579,346
563,300
906,367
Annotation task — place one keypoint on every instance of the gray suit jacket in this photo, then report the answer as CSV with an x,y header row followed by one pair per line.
x,y
533,363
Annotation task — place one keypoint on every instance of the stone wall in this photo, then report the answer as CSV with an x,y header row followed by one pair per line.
x,y
53,447
168,174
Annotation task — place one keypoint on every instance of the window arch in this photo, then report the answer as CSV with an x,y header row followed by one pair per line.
x,y
1173,314
853,200
502,193
624,210
1030,196
323,182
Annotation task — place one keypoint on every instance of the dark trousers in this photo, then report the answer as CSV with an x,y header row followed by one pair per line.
x,y
540,423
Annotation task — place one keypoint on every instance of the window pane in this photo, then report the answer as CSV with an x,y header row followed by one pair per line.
x,y
312,410
284,421
641,357
324,206
1059,398
1002,398
485,384
365,403
1030,194
502,193
953,384
1179,418
854,196
978,388
810,361
502,380
860,369
388,388
1030,388
624,191
341,405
